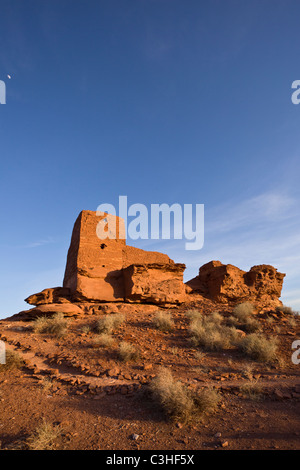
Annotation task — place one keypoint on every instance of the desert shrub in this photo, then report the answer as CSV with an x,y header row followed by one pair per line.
x,y
175,351
285,310
206,400
13,360
292,321
249,325
128,352
247,371
243,311
47,384
86,329
109,323
242,318
258,347
193,314
163,321
55,325
177,401
252,390
44,436
173,396
270,320
199,355
209,333
103,340
215,317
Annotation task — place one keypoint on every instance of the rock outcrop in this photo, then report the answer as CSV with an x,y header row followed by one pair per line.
x,y
106,270
96,269
226,283
54,295
155,283
44,310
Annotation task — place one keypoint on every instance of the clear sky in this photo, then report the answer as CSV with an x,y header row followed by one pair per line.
x,y
184,101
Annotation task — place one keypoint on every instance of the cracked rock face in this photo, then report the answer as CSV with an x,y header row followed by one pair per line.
x,y
103,269
97,268
156,283
50,296
225,283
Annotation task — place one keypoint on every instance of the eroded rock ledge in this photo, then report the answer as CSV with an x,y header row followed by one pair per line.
x,y
108,271
225,282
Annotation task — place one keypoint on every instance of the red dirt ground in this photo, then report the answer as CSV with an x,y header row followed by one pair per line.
x,y
99,402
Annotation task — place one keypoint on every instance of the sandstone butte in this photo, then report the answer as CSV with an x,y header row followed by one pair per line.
x,y
108,270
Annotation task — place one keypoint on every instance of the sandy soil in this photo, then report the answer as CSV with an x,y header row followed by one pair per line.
x,y
100,402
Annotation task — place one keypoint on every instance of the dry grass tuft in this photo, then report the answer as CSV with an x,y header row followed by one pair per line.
x,y
85,329
193,314
13,361
285,310
258,347
252,390
109,323
178,402
163,321
243,311
128,352
104,340
242,318
47,384
210,333
199,355
44,436
55,325
207,400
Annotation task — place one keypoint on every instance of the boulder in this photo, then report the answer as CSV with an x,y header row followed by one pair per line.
x,y
94,270
55,295
265,283
67,309
155,283
225,283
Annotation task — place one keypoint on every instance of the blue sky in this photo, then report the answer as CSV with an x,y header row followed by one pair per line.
x,y
160,100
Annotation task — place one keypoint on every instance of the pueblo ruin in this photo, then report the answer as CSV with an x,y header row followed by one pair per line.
x,y
109,271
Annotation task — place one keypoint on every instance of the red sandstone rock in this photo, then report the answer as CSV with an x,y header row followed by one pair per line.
x,y
94,270
265,283
155,283
49,296
223,283
67,309
107,270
